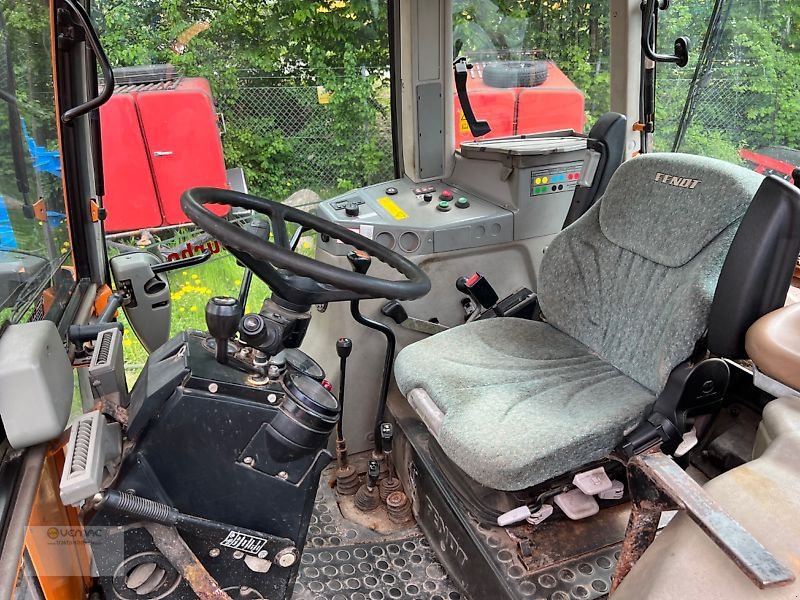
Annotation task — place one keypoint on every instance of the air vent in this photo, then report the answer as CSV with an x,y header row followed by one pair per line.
x,y
94,445
80,454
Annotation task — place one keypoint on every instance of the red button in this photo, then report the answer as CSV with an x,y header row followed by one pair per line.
x,y
446,195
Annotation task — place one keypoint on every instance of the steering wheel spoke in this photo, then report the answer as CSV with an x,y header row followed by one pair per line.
x,y
296,278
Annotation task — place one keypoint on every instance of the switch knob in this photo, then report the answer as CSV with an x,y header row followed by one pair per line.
x,y
427,197
462,202
351,209
443,206
360,261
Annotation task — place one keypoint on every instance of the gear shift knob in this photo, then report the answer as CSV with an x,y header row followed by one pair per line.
x,y
360,260
222,319
344,346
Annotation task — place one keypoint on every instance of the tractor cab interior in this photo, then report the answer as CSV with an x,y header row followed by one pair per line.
x,y
543,361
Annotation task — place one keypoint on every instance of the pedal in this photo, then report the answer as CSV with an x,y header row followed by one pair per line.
x,y
94,443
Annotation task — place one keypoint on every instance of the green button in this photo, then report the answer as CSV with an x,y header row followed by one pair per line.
x,y
443,206
462,202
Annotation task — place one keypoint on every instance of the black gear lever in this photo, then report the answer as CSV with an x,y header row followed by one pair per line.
x,y
361,262
222,319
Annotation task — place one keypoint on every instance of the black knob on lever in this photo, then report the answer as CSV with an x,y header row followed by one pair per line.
x,y
344,346
373,473
222,319
387,435
360,261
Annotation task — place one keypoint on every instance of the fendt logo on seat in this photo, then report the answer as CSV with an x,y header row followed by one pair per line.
x,y
682,182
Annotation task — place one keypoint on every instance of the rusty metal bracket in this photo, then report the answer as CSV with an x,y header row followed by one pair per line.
x,y
657,483
172,546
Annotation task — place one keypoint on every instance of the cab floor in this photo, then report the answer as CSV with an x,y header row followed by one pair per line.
x,y
345,561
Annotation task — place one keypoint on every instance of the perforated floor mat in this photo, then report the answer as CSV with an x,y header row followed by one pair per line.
x,y
386,571
343,561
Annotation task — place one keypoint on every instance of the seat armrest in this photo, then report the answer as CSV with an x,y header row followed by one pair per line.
x,y
773,344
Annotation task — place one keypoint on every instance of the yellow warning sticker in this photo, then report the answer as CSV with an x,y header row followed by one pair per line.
x,y
463,125
392,208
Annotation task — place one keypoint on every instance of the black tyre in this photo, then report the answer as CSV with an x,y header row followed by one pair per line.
x,y
515,74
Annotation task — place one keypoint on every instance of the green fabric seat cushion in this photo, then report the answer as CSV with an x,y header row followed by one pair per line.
x,y
522,402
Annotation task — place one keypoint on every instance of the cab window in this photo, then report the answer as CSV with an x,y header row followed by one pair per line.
x,y
536,66
35,252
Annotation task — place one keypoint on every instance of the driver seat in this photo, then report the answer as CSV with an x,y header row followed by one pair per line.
x,y
626,294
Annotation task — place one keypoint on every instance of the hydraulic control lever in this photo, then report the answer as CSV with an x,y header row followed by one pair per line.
x,y
361,262
346,476
222,319
367,497
461,68
373,473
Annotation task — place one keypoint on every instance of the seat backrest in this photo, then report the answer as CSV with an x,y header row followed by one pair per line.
x,y
634,278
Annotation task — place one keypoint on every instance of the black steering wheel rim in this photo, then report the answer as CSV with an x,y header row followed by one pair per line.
x,y
304,280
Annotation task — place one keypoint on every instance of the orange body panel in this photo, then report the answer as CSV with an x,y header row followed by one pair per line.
x,y
48,511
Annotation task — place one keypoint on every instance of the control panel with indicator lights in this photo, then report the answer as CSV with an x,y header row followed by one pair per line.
x,y
500,191
563,178
418,219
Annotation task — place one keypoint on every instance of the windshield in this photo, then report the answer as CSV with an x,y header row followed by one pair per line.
x,y
537,66
34,240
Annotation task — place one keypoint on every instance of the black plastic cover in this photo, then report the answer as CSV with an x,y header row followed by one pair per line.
x,y
758,269
608,138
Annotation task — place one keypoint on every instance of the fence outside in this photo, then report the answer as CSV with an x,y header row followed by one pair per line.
x,y
306,142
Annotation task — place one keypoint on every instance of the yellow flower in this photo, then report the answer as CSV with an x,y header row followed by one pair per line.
x,y
193,309
195,277
185,273
238,282
181,309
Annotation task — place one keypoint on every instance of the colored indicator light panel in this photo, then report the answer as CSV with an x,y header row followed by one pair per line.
x,y
561,179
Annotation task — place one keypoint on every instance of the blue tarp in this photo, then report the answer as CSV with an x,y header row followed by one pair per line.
x,y
44,160
7,239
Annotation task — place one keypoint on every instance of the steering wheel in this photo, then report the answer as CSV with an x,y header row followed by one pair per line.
x,y
296,278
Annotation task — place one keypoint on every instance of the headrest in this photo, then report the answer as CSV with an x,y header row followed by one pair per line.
x,y
667,207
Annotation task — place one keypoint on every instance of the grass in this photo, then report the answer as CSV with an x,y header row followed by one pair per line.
x,y
190,290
